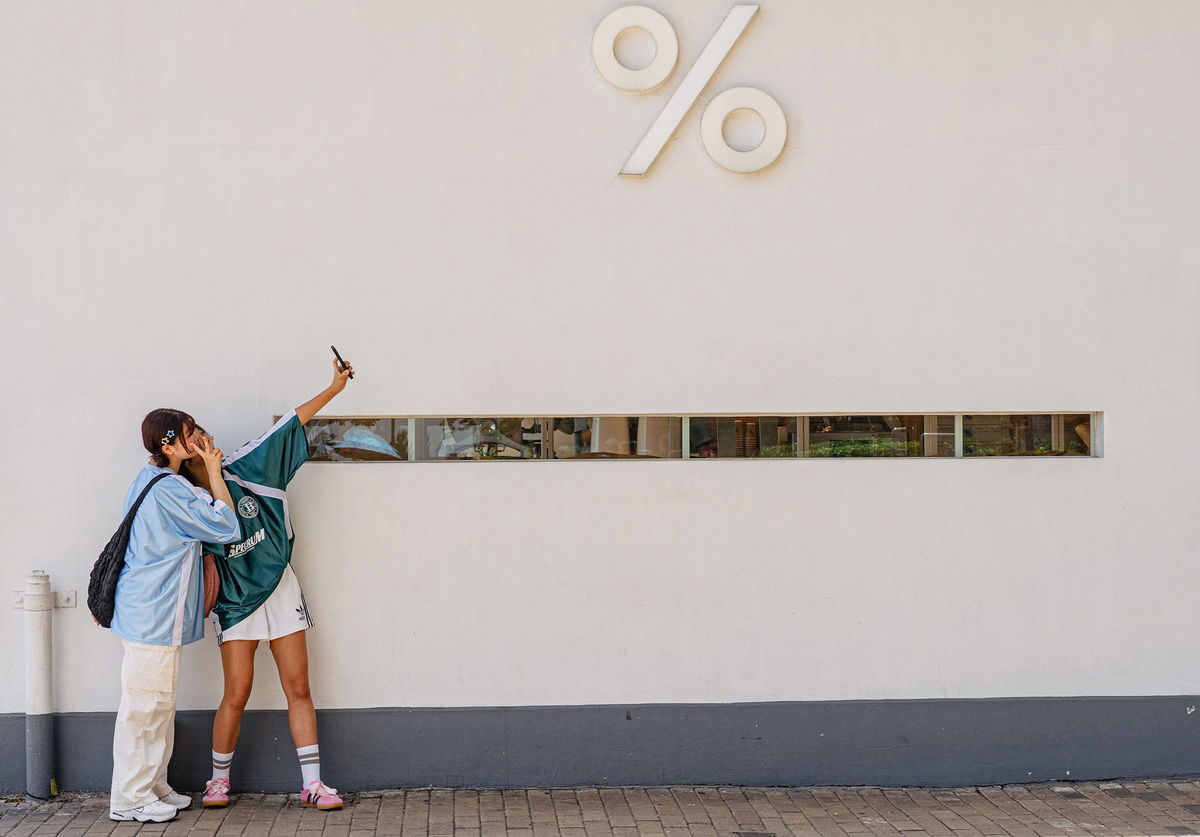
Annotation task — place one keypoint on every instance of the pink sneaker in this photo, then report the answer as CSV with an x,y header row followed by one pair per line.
x,y
320,796
216,793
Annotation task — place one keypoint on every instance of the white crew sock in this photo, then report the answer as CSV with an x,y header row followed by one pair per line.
x,y
221,764
310,763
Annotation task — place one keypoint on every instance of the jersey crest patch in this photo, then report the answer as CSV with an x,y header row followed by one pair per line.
x,y
247,507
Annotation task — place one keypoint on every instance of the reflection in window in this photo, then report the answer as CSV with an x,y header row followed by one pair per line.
x,y
879,436
479,438
571,437
1056,434
749,436
618,437
357,440
377,439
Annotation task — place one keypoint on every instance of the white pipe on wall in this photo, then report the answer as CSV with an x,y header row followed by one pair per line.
x,y
39,686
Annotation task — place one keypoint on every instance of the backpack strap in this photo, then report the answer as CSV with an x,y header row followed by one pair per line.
x,y
133,509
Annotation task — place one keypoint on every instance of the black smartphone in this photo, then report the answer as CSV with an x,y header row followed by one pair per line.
x,y
339,359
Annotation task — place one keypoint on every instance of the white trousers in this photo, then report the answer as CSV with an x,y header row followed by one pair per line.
x,y
145,733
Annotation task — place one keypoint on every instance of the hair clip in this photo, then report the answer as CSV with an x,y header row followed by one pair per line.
x,y
166,440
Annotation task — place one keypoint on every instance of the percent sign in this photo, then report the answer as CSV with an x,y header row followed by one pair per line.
x,y
659,70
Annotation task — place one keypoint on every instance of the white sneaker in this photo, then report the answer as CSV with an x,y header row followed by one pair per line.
x,y
156,811
177,800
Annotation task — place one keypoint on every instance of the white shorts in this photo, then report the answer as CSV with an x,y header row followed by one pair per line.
x,y
283,613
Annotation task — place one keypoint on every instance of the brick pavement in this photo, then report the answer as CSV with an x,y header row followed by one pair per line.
x,y
1102,809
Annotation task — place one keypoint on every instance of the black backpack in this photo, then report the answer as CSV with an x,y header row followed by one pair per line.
x,y
102,586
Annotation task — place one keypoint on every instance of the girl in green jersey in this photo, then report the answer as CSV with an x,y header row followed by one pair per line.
x,y
260,597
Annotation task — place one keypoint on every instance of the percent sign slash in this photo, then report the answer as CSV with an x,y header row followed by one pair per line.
x,y
685,95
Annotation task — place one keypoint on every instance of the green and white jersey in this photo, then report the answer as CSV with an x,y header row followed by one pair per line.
x,y
257,474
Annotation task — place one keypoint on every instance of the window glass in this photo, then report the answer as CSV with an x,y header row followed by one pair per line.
x,y
357,440
570,437
376,439
1058,434
479,438
618,437
879,436
748,436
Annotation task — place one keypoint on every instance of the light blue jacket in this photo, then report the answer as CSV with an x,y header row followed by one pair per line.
x,y
160,593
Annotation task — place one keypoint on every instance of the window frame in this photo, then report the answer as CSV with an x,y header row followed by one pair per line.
x,y
1095,447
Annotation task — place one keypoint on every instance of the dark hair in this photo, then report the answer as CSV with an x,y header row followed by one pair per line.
x,y
154,429
184,472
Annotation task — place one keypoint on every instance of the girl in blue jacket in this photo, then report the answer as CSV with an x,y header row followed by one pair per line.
x,y
159,607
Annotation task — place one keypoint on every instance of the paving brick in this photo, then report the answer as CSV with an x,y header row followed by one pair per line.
x,y
541,808
617,809
640,805
1110,809
590,806
718,810
516,811
690,806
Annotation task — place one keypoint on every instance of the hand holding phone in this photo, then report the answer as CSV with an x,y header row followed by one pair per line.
x,y
341,362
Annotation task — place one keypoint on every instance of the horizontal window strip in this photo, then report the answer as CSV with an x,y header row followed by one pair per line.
x,y
871,435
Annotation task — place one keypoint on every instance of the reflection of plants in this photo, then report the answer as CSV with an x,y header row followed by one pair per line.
x,y
865,447
776,451
1041,447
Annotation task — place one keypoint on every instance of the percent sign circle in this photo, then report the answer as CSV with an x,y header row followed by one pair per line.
x,y
685,95
666,47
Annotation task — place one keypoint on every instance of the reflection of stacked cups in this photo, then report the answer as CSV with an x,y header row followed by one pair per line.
x,y
746,437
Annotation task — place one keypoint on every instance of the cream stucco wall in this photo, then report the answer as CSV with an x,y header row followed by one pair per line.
x,y
982,207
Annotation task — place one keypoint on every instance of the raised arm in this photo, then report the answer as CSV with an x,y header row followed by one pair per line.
x,y
313,406
211,456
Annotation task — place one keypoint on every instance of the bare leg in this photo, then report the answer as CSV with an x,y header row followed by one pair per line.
x,y
291,658
237,659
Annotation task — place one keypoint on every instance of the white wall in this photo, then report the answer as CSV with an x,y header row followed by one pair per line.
x,y
982,207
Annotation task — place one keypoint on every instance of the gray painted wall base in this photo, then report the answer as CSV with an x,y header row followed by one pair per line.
x,y
891,742
39,755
